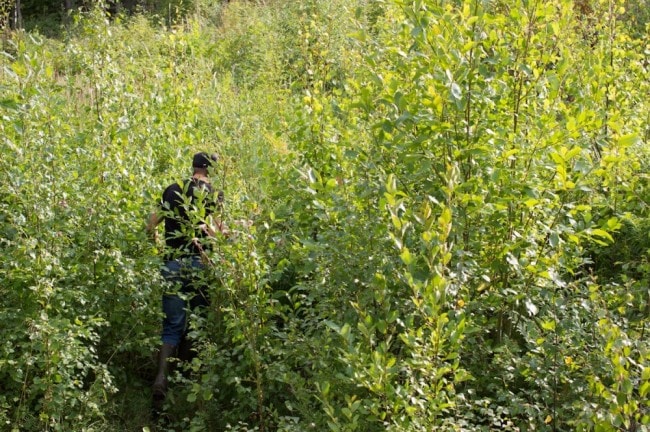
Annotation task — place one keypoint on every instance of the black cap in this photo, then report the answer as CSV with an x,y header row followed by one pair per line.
x,y
203,160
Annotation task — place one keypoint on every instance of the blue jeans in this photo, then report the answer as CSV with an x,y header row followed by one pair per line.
x,y
184,278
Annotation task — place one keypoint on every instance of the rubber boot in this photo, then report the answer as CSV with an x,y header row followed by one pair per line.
x,y
160,383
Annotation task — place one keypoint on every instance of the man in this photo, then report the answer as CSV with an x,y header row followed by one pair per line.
x,y
188,211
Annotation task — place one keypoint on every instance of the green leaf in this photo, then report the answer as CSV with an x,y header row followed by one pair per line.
x,y
531,202
601,233
613,224
628,140
445,217
557,158
456,92
331,183
325,388
644,389
391,184
406,256
531,308
575,151
9,104
548,325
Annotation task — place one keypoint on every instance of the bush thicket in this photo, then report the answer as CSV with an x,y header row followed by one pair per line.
x,y
448,207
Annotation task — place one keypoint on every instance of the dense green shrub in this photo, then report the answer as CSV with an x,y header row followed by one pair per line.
x,y
439,215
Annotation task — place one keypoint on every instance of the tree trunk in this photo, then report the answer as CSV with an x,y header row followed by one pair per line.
x,y
68,5
17,16
10,16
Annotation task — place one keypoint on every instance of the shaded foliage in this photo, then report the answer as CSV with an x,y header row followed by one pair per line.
x,y
439,215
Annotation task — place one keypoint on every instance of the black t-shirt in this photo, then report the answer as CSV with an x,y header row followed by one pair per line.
x,y
184,208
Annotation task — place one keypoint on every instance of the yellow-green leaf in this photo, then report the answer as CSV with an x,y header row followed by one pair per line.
x,y
406,256
602,233
627,140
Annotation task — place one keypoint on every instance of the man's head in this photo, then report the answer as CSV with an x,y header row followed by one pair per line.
x,y
202,161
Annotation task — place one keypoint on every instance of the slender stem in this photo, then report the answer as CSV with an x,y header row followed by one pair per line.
x,y
555,369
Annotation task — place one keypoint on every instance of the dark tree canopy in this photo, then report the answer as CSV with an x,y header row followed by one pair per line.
x,y
31,13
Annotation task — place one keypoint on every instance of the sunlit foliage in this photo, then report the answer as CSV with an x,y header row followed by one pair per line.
x,y
439,214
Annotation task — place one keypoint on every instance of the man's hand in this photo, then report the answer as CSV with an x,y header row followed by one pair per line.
x,y
215,225
207,230
152,223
